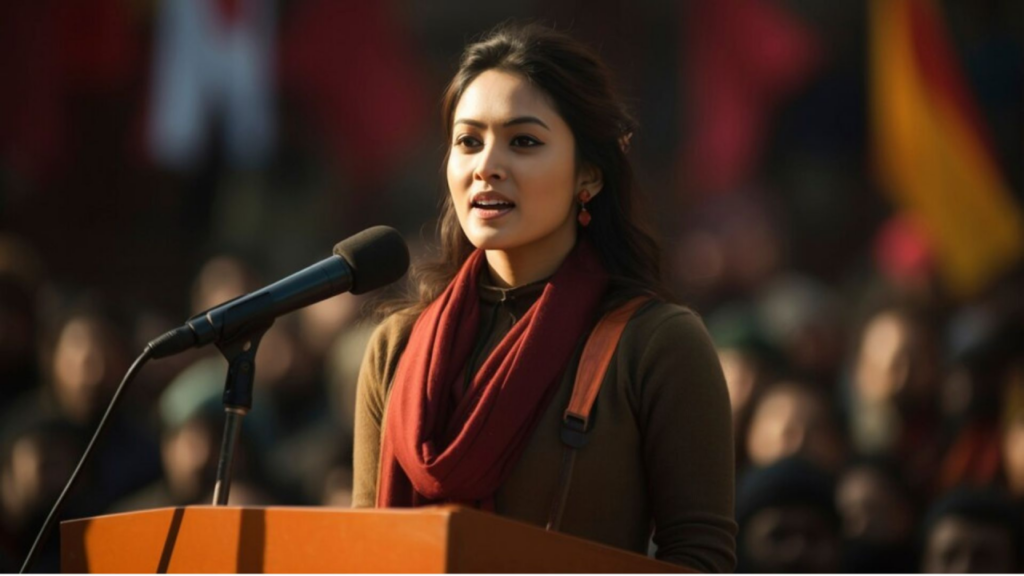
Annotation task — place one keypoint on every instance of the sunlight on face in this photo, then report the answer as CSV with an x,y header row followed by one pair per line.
x,y
959,545
512,170
790,421
872,507
86,365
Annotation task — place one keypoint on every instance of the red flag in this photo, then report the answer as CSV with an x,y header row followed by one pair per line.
x,y
355,71
743,56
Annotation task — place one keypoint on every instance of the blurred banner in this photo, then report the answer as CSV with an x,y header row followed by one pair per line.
x,y
358,74
743,57
932,152
213,62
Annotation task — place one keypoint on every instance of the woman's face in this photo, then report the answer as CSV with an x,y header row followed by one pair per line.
x,y
86,364
511,168
790,421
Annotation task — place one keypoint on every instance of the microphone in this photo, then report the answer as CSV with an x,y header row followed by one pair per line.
x,y
364,262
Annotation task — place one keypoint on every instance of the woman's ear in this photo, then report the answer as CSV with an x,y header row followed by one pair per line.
x,y
589,179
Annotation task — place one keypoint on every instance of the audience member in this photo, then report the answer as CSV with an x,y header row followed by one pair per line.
x,y
893,410
791,418
972,531
85,359
192,416
36,461
878,514
788,519
987,344
749,361
1012,439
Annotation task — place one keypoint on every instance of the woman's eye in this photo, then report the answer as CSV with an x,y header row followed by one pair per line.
x,y
467,141
526,142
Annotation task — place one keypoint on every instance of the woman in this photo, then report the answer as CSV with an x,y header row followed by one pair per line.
x,y
461,395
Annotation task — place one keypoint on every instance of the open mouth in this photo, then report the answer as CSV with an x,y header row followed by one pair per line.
x,y
488,209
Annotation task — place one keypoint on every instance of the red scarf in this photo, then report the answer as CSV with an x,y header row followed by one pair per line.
x,y
443,445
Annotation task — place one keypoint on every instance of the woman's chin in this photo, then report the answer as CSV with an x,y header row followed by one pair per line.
x,y
491,244
487,238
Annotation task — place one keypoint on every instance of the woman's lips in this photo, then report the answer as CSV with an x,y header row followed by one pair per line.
x,y
491,212
490,205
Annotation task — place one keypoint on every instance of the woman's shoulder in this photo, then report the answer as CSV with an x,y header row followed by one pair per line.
x,y
386,345
658,317
393,331
665,332
392,334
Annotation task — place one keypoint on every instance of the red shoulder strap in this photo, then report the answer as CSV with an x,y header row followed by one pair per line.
x,y
597,354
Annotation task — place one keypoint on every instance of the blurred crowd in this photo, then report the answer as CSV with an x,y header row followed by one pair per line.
x,y
878,427
63,356
879,419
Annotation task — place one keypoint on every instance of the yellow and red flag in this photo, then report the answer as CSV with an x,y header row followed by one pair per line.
x,y
932,151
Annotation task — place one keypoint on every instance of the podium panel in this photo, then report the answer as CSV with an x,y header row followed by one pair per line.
x,y
233,539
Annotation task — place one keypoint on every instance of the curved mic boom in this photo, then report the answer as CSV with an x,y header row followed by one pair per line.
x,y
364,262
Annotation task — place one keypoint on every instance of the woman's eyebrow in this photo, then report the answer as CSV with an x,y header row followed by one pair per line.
x,y
526,120
512,122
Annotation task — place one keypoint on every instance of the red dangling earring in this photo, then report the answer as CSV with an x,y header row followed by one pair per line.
x,y
583,216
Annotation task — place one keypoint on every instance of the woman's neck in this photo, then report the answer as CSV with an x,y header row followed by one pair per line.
x,y
526,264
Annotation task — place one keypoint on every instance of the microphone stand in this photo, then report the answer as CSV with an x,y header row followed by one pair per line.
x,y
240,352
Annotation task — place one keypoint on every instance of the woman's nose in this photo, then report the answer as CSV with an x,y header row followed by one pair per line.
x,y
490,165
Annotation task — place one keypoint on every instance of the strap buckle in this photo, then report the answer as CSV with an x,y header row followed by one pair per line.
x,y
574,431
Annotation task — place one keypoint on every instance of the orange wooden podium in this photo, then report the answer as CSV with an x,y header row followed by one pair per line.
x,y
252,540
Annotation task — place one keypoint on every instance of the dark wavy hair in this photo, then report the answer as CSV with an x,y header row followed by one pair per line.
x,y
579,86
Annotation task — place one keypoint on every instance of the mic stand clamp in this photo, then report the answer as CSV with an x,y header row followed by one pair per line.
x,y
240,352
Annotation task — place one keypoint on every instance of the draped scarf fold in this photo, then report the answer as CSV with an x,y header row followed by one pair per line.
x,y
441,444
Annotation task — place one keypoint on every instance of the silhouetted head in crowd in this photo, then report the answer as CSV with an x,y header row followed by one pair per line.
x,y
787,518
285,368
973,531
803,318
747,355
21,260
790,418
18,339
220,279
1012,440
893,381
283,362
21,277
87,359
188,451
896,359
35,464
878,515
192,419
986,345
983,398
322,323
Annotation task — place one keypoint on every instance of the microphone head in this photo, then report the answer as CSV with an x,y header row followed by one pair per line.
x,y
378,256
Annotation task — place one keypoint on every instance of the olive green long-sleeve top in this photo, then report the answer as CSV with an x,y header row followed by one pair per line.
x,y
660,449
